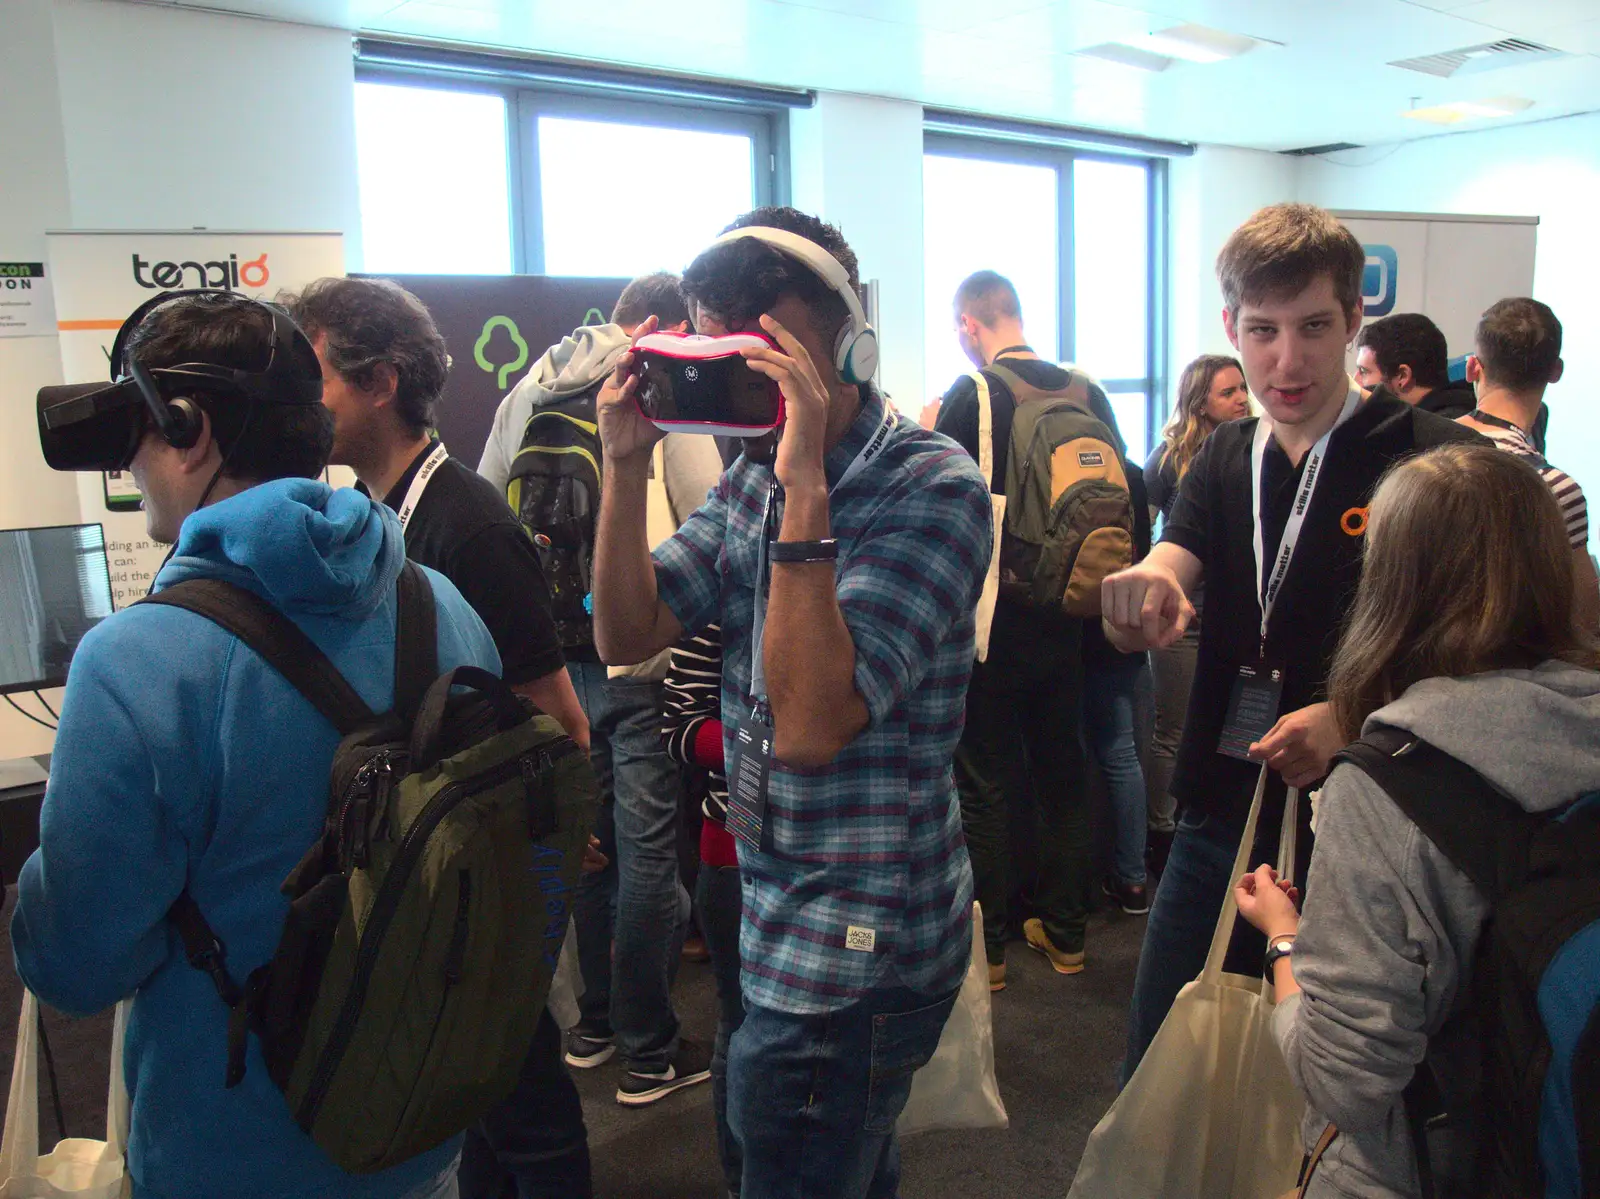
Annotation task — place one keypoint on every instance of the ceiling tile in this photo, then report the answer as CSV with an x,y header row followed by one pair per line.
x,y
1328,80
1521,16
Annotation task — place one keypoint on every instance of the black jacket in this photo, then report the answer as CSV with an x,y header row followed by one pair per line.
x,y
1454,399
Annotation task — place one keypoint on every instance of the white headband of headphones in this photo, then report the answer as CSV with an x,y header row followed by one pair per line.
x,y
856,356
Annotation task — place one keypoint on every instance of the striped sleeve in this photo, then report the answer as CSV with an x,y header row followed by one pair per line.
x,y
1574,508
693,692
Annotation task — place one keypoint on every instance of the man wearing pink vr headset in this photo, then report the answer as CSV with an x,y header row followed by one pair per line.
x,y
842,554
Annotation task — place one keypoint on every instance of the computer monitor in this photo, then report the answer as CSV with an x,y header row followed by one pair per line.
x,y
55,585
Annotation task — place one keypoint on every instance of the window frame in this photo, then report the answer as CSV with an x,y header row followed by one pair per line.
x,y
766,126
1061,158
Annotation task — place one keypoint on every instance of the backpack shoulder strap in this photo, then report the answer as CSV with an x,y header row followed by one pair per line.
x,y
416,640
1456,808
276,638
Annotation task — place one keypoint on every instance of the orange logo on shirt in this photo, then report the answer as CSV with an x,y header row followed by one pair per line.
x,y
1354,522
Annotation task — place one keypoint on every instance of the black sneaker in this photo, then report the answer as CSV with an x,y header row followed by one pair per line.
x,y
588,1047
1132,898
691,1065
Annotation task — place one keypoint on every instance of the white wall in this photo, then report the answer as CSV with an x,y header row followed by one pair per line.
x,y
1212,193
857,163
1549,170
141,117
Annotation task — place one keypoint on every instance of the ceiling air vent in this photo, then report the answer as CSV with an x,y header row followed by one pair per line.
x,y
1331,147
1491,56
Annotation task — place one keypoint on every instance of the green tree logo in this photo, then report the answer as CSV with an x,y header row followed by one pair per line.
x,y
508,368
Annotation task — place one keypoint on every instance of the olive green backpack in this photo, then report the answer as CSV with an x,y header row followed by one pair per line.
x,y
1068,514
426,922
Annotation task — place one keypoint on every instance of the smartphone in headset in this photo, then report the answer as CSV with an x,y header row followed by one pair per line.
x,y
694,384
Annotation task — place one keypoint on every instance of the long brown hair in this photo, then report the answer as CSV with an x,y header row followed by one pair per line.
x,y
1467,569
1189,426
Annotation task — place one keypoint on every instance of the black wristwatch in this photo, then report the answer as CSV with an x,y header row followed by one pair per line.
x,y
804,551
1277,947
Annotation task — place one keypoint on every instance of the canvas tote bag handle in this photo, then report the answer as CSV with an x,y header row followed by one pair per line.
x,y
984,618
1241,865
19,1146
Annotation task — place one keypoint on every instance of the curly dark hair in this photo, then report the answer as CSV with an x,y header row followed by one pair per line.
x,y
275,441
369,322
740,280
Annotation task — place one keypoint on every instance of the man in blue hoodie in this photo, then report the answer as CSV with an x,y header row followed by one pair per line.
x,y
184,761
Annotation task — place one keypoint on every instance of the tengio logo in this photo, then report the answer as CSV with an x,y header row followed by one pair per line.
x,y
225,274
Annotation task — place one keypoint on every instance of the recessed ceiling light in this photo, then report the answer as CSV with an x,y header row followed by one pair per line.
x,y
1127,56
1469,110
1197,43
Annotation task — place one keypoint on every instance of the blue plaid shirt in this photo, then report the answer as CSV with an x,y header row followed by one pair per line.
x,y
870,846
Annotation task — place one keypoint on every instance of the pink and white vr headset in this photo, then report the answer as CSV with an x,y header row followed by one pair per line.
x,y
692,384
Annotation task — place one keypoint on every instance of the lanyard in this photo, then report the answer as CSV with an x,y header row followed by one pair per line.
x,y
863,459
1309,477
419,484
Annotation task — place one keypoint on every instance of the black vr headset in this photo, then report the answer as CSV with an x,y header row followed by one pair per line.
x,y
96,426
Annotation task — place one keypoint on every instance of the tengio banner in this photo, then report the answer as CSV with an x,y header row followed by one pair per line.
x,y
100,278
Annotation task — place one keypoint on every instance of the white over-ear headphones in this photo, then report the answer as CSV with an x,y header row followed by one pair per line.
x,y
855,354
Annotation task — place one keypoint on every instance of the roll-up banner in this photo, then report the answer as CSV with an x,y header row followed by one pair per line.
x,y
1448,267
99,278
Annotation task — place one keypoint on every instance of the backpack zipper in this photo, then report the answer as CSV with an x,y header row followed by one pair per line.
x,y
455,957
383,910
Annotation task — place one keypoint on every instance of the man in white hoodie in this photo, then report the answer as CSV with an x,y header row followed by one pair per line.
x,y
635,911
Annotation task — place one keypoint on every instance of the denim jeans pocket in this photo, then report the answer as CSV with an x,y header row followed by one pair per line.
x,y
902,1043
1192,821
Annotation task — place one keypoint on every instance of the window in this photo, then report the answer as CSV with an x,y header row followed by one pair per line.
x,y
455,220
1078,235
546,180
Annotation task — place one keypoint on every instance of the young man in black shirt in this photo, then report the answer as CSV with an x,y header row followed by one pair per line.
x,y
1024,702
1274,507
383,368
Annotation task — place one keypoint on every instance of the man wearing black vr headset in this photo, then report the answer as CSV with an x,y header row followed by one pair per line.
x,y
843,556
183,761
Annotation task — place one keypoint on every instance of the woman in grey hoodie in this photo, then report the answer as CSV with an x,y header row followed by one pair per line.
x,y
1462,635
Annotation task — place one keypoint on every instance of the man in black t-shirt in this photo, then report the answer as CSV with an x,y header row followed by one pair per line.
x,y
1024,702
1291,278
383,369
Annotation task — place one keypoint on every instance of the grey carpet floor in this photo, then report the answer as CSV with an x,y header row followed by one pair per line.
x,y
1058,1042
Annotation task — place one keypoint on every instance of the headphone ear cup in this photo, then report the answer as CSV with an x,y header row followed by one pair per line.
x,y
856,354
183,423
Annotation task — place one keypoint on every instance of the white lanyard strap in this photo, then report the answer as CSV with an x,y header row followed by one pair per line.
x,y
864,458
1267,590
419,484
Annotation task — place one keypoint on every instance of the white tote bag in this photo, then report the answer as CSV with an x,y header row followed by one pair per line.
x,y
984,616
957,1088
1211,1112
79,1168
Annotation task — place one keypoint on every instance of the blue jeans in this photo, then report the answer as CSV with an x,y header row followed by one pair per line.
x,y
1182,918
720,903
631,916
1109,697
535,1136
813,1100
